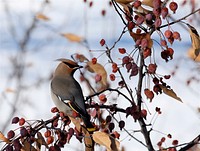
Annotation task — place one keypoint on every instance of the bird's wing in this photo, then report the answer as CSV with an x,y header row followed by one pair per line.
x,y
68,90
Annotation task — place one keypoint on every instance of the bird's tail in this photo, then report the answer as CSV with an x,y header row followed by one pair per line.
x,y
90,127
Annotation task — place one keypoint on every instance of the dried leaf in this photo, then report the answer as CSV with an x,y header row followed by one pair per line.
x,y
27,146
141,36
195,40
170,92
40,141
3,138
148,3
124,1
106,140
98,69
81,57
42,17
10,90
72,37
191,54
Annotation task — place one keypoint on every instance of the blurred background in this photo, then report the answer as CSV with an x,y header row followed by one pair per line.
x,y
31,38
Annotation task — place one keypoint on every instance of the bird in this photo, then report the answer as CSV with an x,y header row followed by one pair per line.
x,y
66,92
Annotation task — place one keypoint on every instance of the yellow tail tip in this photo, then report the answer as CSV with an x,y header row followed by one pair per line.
x,y
91,129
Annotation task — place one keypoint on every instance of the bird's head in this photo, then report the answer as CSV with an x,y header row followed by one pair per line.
x,y
66,67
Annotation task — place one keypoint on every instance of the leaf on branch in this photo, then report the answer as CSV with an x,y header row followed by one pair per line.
x,y
81,58
99,70
106,140
42,17
27,146
72,37
3,138
170,92
141,36
148,3
191,54
124,1
40,141
195,40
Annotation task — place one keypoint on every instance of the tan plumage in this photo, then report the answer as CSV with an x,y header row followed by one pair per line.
x,y
67,93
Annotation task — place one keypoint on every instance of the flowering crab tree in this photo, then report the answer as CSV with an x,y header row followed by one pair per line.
x,y
118,87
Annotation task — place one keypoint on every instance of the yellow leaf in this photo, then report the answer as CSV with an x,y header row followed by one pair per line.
x,y
42,17
124,1
98,69
27,146
3,138
106,140
72,37
195,40
40,141
170,92
191,54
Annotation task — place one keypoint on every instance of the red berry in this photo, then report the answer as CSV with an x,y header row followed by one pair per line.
x,y
168,34
149,94
15,120
164,12
169,135
121,124
54,110
116,134
156,3
102,42
21,121
146,52
152,68
23,132
90,4
173,6
175,142
158,22
50,140
144,113
137,4
122,50
112,77
10,134
176,35
163,139
94,60
114,65
103,12
47,133
125,60
144,43
108,119
111,126
102,98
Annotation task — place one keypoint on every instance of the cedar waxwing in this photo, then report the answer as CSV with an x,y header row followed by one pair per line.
x,y
66,91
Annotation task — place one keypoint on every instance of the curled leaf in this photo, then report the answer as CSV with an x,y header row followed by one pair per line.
x,y
106,140
72,37
170,92
192,55
141,36
99,70
42,17
81,57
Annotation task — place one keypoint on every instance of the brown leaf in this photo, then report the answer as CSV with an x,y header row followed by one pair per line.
x,y
106,140
3,138
27,146
170,92
124,1
89,143
81,57
40,141
191,54
148,3
141,36
42,17
195,40
98,69
10,90
72,37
